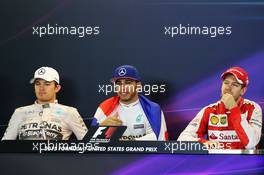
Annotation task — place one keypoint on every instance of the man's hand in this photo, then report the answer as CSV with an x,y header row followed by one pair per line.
x,y
112,121
228,101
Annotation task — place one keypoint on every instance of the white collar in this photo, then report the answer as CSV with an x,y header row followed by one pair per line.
x,y
130,104
55,102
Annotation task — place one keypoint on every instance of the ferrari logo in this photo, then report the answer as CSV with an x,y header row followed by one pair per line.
x,y
223,120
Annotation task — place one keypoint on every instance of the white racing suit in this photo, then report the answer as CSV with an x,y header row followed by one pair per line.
x,y
45,122
142,124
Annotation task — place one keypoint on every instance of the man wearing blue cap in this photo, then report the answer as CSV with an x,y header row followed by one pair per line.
x,y
144,119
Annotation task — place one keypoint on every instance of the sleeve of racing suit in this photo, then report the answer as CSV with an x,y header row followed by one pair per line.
x,y
77,124
11,132
196,129
248,131
150,135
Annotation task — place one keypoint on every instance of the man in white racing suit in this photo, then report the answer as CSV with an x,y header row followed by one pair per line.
x,y
45,119
144,119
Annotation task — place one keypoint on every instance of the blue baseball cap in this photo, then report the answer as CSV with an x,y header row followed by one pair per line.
x,y
126,71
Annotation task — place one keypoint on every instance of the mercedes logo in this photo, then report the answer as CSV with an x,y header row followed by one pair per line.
x,y
122,72
41,71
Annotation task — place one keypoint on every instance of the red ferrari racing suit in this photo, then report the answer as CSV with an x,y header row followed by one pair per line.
x,y
238,128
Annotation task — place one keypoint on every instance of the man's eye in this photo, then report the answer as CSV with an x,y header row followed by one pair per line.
x,y
235,84
47,84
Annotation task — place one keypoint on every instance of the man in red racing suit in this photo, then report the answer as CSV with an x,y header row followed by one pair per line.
x,y
232,122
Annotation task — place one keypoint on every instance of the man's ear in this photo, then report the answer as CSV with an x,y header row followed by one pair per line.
x,y
57,88
243,91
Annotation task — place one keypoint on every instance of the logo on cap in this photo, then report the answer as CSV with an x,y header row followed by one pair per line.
x,y
46,73
240,74
41,71
125,71
122,71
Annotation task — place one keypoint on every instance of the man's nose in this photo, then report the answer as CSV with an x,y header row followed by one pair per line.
x,y
229,87
41,87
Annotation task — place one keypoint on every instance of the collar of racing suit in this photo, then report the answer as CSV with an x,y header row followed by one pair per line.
x,y
47,105
240,102
129,105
